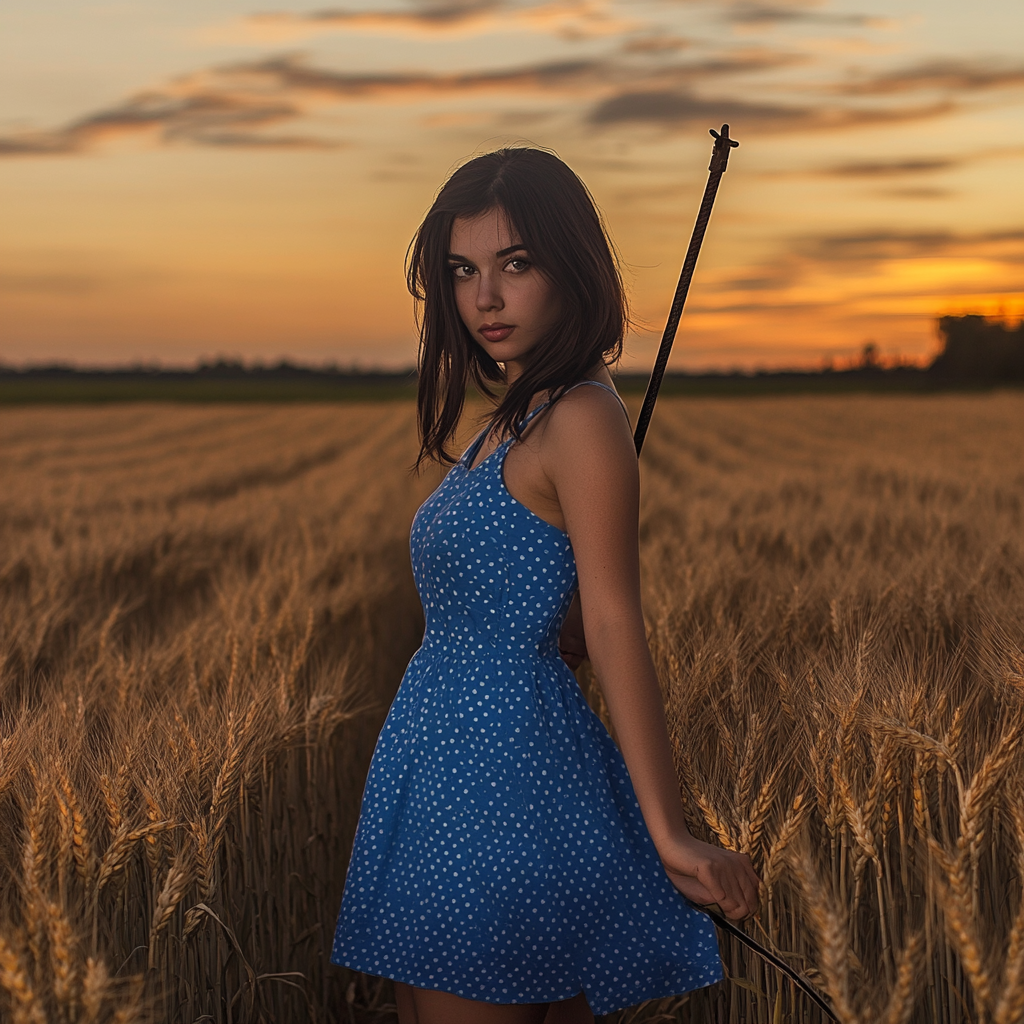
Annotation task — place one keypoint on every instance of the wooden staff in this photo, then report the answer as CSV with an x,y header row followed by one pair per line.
x,y
770,958
719,162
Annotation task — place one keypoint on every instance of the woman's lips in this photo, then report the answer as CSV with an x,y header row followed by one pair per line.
x,y
495,332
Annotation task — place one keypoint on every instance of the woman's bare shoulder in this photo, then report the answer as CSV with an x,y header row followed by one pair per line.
x,y
588,422
584,407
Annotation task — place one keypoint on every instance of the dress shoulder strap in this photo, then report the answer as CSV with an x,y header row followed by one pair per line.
x,y
600,384
533,413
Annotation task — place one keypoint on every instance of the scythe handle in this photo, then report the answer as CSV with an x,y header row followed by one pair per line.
x,y
770,958
719,162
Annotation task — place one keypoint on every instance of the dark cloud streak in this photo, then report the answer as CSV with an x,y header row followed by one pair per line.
x,y
775,14
681,109
944,75
892,168
906,167
48,283
429,14
229,106
676,109
238,106
286,73
885,244
203,118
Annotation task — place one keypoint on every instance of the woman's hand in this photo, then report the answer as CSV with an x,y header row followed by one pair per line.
x,y
708,874
572,643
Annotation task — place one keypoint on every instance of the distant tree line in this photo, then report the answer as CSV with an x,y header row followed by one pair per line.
x,y
975,350
220,369
979,348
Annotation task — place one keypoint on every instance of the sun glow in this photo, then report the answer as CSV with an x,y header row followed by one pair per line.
x,y
214,192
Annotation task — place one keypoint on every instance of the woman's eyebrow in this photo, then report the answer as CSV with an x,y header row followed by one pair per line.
x,y
456,258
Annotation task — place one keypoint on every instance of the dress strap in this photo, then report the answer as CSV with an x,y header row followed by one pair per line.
x,y
533,414
474,446
600,384
471,452
597,384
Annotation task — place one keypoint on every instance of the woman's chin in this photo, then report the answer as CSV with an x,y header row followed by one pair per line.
x,y
508,353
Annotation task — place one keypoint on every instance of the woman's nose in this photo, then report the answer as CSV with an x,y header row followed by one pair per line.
x,y
487,295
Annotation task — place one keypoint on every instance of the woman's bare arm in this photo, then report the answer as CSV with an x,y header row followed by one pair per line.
x,y
588,455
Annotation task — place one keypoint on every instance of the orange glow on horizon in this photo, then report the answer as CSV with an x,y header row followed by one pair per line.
x,y
242,200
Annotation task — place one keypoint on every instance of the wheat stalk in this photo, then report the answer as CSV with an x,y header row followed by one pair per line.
x,y
26,1008
830,930
953,889
179,632
65,973
95,985
179,878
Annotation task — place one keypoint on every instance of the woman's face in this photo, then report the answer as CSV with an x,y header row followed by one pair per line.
x,y
503,299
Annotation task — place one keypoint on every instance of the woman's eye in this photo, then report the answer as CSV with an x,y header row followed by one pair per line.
x,y
518,265
463,270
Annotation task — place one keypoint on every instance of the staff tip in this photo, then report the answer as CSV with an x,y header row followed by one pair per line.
x,y
723,135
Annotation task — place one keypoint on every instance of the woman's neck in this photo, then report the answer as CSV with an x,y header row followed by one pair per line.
x,y
513,371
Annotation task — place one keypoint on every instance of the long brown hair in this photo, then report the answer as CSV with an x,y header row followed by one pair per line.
x,y
555,218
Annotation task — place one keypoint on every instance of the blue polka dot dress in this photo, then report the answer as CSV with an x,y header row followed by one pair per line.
x,y
501,854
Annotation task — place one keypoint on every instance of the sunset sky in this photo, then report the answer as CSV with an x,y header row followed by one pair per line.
x,y
182,180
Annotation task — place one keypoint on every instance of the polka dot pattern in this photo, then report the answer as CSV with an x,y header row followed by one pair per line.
x,y
501,854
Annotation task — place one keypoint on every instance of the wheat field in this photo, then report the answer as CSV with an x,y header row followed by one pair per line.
x,y
205,610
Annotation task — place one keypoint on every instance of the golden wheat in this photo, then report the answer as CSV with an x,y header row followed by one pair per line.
x,y
202,615
204,612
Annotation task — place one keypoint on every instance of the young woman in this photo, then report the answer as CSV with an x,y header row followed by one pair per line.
x,y
511,865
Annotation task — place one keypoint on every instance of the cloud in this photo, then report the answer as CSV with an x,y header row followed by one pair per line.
x,y
739,62
655,43
945,75
246,105
901,167
55,283
886,244
233,106
291,75
915,192
229,106
835,251
891,168
183,113
680,109
904,271
572,19
764,14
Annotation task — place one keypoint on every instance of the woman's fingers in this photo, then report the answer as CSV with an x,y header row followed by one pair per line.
x,y
713,883
734,906
734,884
726,892
724,877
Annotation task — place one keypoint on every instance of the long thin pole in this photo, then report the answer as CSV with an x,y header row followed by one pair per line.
x,y
719,162
769,957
